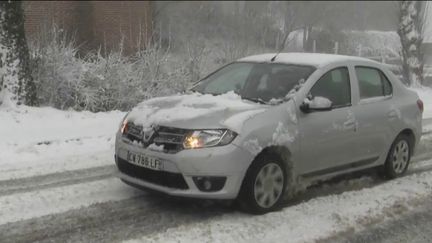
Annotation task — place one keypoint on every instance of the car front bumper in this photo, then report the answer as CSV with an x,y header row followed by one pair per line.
x,y
230,162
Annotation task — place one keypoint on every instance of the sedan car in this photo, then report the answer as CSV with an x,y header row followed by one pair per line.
x,y
257,129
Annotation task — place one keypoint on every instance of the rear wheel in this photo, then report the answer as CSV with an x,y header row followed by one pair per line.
x,y
399,157
264,185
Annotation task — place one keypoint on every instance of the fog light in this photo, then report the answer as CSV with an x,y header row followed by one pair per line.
x,y
209,183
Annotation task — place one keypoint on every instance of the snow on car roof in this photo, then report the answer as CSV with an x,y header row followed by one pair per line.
x,y
314,59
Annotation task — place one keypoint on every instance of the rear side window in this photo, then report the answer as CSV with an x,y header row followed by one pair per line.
x,y
335,86
372,83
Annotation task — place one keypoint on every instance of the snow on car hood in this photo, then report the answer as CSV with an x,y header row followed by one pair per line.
x,y
196,111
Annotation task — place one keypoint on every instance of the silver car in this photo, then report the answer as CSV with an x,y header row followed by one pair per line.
x,y
259,128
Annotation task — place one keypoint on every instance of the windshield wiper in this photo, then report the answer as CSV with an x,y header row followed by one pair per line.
x,y
256,100
195,91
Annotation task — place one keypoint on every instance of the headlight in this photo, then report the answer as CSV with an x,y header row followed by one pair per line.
x,y
124,124
208,138
124,127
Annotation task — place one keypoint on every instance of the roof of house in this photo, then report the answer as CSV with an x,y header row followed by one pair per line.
x,y
314,59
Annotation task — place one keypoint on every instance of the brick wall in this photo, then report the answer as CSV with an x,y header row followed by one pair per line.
x,y
39,15
117,20
95,24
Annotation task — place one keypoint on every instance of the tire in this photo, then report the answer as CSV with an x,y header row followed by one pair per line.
x,y
264,185
399,157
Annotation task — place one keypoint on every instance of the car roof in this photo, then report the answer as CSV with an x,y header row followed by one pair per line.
x,y
302,58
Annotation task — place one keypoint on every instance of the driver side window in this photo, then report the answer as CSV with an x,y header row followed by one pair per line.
x,y
335,86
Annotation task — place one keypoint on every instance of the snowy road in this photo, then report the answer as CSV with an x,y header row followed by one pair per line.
x,y
427,122
414,226
63,190
90,205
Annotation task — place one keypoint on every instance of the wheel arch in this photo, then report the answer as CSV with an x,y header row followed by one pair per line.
x,y
281,151
407,132
411,135
388,167
285,155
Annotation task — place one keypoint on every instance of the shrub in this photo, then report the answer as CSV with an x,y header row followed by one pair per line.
x,y
101,83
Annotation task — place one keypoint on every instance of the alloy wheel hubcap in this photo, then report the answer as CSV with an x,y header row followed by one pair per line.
x,y
400,156
268,185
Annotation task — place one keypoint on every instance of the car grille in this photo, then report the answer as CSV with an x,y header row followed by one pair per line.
x,y
162,178
170,138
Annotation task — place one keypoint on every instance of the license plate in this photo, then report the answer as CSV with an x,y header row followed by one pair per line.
x,y
145,161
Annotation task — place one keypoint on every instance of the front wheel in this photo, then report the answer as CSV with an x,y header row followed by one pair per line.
x,y
398,158
264,185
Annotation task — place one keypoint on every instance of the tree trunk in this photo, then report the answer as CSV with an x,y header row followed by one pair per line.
x,y
410,33
305,33
16,85
307,39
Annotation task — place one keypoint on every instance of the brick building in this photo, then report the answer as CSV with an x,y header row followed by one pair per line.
x,y
94,24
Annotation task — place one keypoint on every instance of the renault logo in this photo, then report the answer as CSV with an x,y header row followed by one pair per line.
x,y
147,133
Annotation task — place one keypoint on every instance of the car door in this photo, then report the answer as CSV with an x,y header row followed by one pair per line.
x,y
327,137
375,112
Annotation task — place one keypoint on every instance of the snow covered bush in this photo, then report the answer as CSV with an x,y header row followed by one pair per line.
x,y
56,69
100,83
372,43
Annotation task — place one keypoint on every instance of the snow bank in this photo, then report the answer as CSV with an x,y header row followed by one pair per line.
x,y
372,43
44,140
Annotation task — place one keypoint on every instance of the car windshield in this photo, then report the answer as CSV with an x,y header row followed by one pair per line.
x,y
259,82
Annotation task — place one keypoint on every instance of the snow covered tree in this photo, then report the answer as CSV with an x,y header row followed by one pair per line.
x,y
16,83
411,19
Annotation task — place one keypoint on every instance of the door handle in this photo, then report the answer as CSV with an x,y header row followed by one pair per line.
x,y
392,115
350,125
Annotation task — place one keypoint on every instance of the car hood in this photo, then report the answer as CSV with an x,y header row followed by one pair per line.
x,y
196,111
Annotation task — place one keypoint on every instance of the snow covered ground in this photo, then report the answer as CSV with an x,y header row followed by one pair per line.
x,y
57,183
37,141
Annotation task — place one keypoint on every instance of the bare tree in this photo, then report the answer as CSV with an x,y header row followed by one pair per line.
x,y
290,23
16,83
410,30
305,16
312,13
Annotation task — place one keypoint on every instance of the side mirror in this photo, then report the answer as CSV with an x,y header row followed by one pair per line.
x,y
317,103
238,88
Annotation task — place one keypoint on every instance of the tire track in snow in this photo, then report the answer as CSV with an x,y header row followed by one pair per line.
x,y
112,221
306,222
414,225
32,204
44,166
65,178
